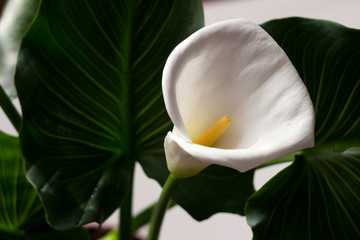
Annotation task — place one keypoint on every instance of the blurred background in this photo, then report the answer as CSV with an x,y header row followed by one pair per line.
x,y
178,225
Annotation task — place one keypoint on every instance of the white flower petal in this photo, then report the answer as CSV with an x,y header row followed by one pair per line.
x,y
182,164
234,68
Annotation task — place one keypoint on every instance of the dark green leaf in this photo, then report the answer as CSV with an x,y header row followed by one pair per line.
x,y
18,200
215,189
21,212
89,83
318,196
327,57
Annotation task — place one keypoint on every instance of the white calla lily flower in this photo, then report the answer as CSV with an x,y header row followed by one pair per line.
x,y
235,69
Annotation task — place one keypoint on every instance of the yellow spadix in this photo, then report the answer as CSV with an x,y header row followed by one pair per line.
x,y
209,137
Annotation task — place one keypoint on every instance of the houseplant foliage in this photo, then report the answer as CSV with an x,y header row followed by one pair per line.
x,y
105,117
320,191
89,82
21,213
88,79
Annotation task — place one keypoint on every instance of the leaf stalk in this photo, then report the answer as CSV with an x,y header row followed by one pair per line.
x,y
125,221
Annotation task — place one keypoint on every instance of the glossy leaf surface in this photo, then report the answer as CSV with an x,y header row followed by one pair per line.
x,y
326,56
21,212
318,196
89,83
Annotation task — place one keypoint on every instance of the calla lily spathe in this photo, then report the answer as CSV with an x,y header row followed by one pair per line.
x,y
234,68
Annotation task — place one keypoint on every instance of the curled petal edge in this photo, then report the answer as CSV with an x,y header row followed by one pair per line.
x,y
186,159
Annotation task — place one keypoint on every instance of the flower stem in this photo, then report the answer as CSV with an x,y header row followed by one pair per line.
x,y
144,217
10,110
126,212
160,209
138,221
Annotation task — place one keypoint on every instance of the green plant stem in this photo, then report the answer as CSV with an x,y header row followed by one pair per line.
x,y
137,222
160,209
125,220
10,110
144,217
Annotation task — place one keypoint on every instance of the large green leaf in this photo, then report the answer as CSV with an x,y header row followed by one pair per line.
x,y
21,212
19,201
89,83
215,189
318,196
327,57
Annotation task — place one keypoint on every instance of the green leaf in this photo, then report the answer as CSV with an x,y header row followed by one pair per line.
x,y
327,56
215,189
18,200
318,196
21,212
89,83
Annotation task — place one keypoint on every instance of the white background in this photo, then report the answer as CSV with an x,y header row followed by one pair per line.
x,y
177,223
